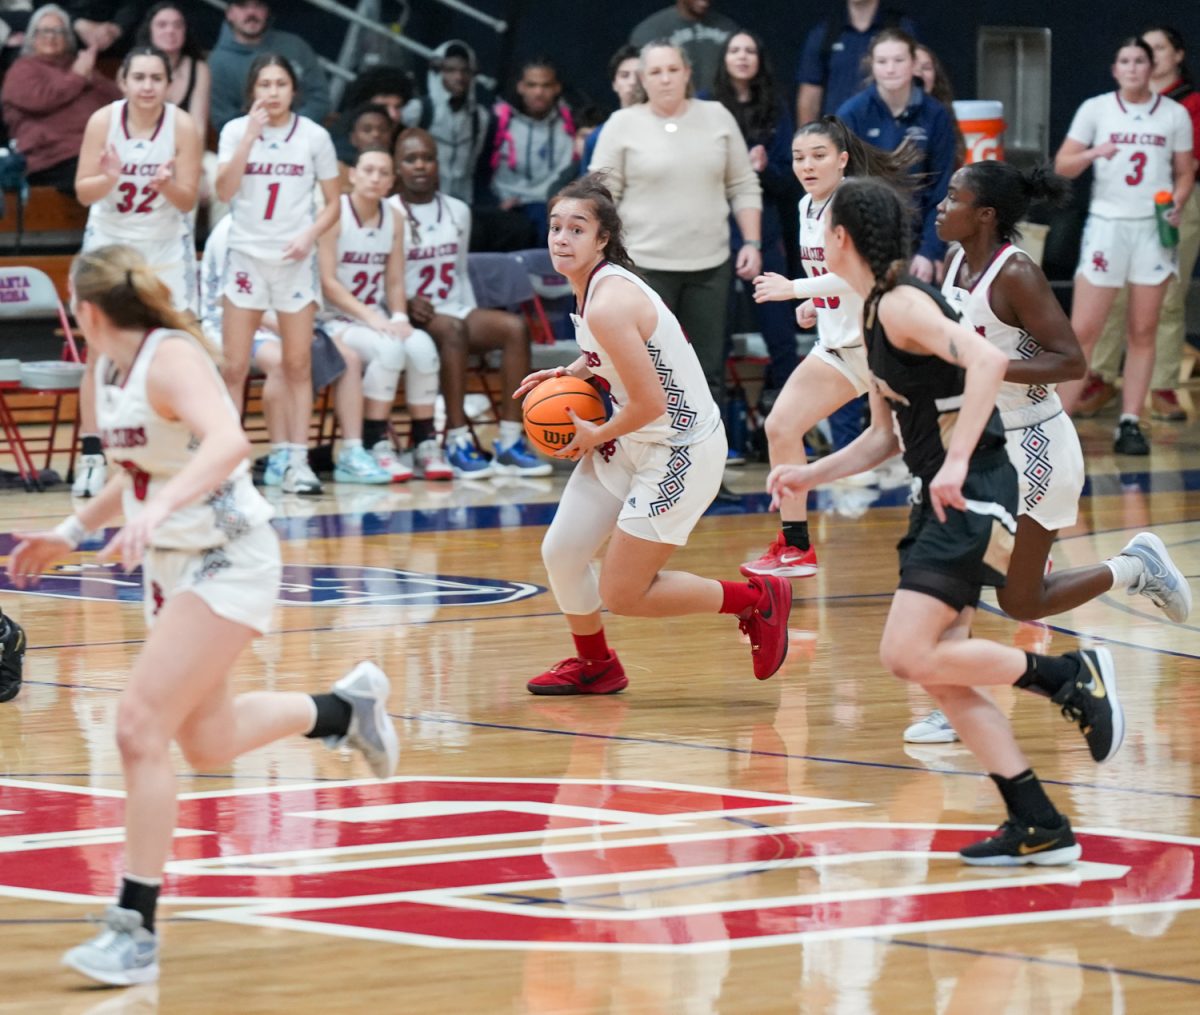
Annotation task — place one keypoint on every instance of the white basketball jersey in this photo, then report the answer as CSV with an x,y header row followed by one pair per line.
x,y
277,198
691,412
363,249
133,210
1020,405
1147,137
436,236
153,450
839,318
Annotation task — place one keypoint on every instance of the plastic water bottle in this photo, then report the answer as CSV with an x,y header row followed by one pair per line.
x,y
1164,203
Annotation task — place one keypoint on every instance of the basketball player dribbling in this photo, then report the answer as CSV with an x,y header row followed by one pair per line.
x,y
270,163
1004,295
139,172
934,383
645,476
1136,143
824,153
210,571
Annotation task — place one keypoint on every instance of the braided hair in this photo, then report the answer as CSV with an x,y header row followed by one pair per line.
x,y
877,218
1009,191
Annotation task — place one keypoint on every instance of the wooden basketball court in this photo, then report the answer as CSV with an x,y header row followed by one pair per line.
x,y
700,843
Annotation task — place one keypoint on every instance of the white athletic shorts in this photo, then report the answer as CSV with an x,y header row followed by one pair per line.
x,y
1049,464
238,581
849,361
174,261
1115,252
286,288
663,489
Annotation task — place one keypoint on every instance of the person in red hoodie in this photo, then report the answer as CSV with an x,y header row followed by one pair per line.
x,y
49,93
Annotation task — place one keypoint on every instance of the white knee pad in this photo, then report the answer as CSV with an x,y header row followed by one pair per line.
x,y
573,578
383,357
421,380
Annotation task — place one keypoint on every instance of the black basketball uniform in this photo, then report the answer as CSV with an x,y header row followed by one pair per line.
x,y
950,560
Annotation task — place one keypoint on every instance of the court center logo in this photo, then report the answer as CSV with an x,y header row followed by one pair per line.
x,y
302,585
574,864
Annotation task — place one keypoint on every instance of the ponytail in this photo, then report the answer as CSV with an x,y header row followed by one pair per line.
x,y
1007,190
128,291
865,159
592,188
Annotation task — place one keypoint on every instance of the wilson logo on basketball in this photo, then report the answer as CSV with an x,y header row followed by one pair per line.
x,y
525,863
548,408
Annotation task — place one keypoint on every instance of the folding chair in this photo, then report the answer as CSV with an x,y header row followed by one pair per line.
x,y
501,282
25,294
550,290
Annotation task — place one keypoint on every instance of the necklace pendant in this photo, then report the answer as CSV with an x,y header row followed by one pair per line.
x,y
670,127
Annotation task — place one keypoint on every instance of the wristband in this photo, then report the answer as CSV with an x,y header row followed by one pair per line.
x,y
399,317
72,530
756,244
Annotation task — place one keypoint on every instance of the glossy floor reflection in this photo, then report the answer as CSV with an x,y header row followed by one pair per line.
x,y
701,843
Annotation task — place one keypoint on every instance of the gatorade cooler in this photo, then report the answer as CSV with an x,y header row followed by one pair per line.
x,y
982,124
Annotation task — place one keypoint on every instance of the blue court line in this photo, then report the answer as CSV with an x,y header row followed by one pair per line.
x,y
1092,967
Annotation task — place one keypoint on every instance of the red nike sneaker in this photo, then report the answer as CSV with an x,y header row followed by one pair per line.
x,y
766,624
783,561
574,676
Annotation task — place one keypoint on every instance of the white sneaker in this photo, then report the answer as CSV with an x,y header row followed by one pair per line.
x,y
935,728
122,954
91,472
300,478
357,465
365,689
429,462
1161,581
277,463
388,459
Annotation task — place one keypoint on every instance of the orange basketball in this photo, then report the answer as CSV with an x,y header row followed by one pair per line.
x,y
547,424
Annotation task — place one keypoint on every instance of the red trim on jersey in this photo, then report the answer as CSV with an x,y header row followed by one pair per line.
x,y
588,287
133,362
350,203
158,126
1117,96
986,268
125,122
1157,103
295,124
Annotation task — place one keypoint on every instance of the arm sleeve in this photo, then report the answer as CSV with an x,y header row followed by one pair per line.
x,y
820,285
810,70
940,162
1083,124
742,188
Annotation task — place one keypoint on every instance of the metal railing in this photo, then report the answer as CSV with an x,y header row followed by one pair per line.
x,y
363,23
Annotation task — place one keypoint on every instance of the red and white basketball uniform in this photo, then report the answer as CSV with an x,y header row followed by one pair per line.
x,y
1120,240
135,213
274,204
1042,443
436,236
839,318
221,546
363,251
665,474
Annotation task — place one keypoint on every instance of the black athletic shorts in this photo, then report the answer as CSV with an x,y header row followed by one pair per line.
x,y
954,559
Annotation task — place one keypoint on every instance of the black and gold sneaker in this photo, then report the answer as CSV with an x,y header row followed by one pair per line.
x,y
1090,700
1015,844
12,656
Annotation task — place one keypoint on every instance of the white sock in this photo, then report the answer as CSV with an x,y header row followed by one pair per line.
x,y
280,449
349,444
510,432
1130,416
1126,569
459,435
298,454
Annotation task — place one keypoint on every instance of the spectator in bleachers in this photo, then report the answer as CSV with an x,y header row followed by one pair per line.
x,y
745,86
830,70
108,26
246,33
533,144
696,29
454,117
442,301
677,166
623,73
936,81
48,96
382,85
368,127
893,110
165,27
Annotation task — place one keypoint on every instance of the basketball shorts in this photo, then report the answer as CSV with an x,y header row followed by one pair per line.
x,y
952,560
664,490
1115,252
1050,471
238,581
286,288
174,261
849,361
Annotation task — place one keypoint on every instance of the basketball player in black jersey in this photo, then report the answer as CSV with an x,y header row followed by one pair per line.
x,y
939,380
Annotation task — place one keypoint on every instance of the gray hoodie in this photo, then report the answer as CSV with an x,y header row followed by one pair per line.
x,y
531,159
